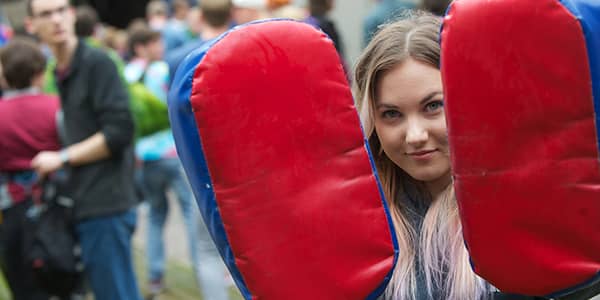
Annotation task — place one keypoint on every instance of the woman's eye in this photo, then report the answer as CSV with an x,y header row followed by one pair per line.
x,y
390,114
434,106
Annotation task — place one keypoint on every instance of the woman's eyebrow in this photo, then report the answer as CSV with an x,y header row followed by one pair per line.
x,y
385,105
425,99
430,96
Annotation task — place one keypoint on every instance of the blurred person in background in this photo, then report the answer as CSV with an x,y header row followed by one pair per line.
x,y
134,25
319,17
6,33
174,30
3,83
194,24
214,18
436,7
154,152
86,27
384,12
99,133
27,126
137,23
89,28
319,11
285,9
275,4
190,2
161,170
180,9
157,14
245,11
146,66
117,40
87,24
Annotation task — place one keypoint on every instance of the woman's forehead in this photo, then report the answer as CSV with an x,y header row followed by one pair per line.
x,y
409,83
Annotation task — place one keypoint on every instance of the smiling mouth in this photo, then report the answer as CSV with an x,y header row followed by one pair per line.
x,y
421,154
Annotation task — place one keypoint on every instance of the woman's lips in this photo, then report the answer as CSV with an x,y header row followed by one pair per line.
x,y
422,155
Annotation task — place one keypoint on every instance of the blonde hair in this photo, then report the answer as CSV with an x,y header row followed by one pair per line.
x,y
438,243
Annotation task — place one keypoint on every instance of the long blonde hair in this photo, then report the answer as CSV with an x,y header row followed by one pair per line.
x,y
439,242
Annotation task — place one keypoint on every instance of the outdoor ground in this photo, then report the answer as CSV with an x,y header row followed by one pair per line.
x,y
180,281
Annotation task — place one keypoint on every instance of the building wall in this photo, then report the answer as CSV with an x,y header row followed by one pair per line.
x,y
14,11
348,16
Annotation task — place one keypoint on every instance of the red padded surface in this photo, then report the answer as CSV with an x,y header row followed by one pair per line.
x,y
523,140
292,178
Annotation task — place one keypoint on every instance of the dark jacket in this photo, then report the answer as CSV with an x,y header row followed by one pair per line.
x,y
94,99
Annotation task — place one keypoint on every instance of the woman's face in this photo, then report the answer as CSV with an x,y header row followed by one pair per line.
x,y
410,121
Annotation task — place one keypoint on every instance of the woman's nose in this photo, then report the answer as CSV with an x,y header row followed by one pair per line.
x,y
416,132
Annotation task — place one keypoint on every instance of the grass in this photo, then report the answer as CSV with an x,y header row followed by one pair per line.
x,y
4,292
180,282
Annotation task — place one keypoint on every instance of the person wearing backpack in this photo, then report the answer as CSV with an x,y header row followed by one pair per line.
x,y
20,141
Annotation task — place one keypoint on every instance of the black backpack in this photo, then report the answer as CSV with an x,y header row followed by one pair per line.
x,y
51,246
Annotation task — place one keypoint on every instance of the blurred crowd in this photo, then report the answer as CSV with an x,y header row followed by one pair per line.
x,y
87,101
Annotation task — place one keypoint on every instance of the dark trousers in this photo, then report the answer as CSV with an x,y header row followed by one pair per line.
x,y
18,274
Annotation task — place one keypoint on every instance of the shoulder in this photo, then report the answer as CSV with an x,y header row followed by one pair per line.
x,y
175,27
133,70
184,50
52,99
44,100
36,102
48,103
158,67
92,53
176,56
157,73
95,57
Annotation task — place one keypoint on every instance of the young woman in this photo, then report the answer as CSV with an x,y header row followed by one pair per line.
x,y
399,91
